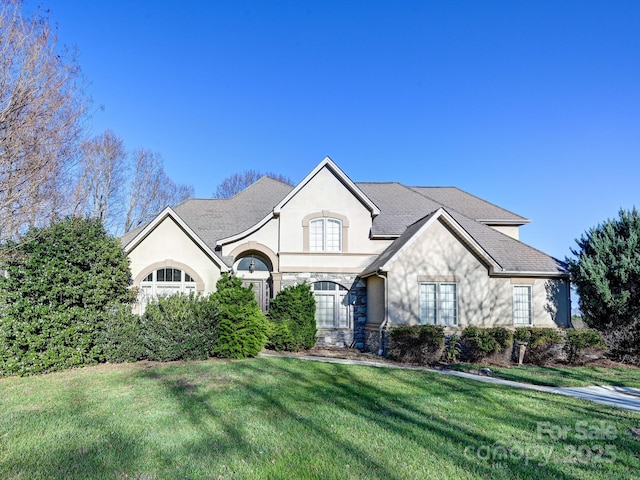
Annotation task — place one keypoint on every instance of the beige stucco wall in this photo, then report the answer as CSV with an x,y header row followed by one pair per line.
x,y
325,193
513,232
375,300
437,255
266,236
284,236
169,245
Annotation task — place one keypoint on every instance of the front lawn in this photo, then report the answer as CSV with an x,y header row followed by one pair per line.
x,y
563,376
283,418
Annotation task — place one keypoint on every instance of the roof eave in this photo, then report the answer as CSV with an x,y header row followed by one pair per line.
x,y
170,213
496,221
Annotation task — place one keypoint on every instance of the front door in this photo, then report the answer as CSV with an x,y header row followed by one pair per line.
x,y
261,290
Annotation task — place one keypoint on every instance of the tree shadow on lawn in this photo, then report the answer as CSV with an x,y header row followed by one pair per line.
x,y
102,449
525,411
433,432
461,429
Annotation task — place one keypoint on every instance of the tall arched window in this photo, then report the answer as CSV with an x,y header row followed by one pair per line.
x,y
325,235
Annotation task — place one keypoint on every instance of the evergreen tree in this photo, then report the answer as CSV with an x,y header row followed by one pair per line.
x,y
241,326
59,281
606,273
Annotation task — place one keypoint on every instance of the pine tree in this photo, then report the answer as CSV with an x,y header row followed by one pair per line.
x,y
606,274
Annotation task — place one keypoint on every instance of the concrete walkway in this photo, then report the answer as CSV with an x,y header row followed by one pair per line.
x,y
620,397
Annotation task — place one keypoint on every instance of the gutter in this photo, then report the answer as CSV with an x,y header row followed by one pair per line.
x,y
384,323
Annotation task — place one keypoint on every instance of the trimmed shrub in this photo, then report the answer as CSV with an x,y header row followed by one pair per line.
x,y
280,337
292,313
544,344
179,327
59,285
481,343
421,344
580,340
241,330
122,335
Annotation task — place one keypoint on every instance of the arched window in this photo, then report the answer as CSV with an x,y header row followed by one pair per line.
x,y
332,307
163,282
253,264
325,235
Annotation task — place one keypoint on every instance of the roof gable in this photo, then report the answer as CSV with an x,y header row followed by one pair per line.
x,y
328,164
169,213
502,254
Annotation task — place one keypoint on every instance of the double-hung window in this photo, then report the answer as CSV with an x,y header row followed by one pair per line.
x,y
522,305
325,235
439,303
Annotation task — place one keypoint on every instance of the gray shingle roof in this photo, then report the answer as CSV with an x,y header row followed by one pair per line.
x,y
214,219
403,210
399,206
511,255
469,205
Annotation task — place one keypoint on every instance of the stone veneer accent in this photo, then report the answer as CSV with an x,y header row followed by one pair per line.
x,y
372,340
352,337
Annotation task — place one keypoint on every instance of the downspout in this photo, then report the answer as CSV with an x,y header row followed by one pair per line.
x,y
569,313
386,313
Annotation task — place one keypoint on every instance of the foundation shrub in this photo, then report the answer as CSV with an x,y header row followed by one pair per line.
x,y
582,341
175,327
122,335
544,345
292,315
241,328
420,344
481,343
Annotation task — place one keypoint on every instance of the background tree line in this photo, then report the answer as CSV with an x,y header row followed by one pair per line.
x,y
49,168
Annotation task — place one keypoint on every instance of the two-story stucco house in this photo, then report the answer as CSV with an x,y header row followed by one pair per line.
x,y
376,255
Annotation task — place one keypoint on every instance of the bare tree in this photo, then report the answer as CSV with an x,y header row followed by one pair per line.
x,y
237,182
102,177
151,190
40,110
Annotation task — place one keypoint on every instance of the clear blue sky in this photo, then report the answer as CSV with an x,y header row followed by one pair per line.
x,y
533,105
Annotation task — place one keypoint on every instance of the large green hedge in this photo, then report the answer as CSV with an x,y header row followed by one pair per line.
x,y
59,282
293,313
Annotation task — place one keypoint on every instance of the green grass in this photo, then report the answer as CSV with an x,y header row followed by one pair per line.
x,y
563,376
283,418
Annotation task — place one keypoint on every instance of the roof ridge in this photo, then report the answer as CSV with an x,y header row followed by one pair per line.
x,y
474,196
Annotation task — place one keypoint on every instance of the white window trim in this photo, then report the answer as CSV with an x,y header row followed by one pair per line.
x,y
529,289
324,241
325,216
149,289
438,320
338,293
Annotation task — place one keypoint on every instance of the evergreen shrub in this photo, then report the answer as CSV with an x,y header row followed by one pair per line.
x,y
241,329
292,314
580,340
480,343
179,327
421,344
